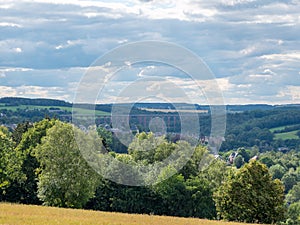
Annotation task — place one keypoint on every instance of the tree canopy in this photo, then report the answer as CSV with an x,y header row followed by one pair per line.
x,y
65,179
250,195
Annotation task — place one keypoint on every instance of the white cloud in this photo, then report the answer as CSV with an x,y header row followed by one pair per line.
x,y
294,92
293,56
8,24
4,5
17,50
251,46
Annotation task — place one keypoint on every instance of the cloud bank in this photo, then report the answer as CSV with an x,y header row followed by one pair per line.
x,y
252,47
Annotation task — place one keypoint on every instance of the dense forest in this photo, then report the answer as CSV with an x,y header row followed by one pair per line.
x,y
254,178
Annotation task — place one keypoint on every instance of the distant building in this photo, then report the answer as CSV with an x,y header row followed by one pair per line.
x,y
232,157
255,158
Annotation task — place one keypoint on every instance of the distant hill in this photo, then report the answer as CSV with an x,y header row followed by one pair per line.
x,y
16,101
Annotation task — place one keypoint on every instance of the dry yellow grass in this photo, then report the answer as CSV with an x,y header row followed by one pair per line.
x,y
13,214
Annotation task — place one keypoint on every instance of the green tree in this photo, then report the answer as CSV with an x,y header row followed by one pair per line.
x,y
10,164
19,131
25,190
293,214
65,180
244,153
267,160
144,146
250,195
294,194
174,195
277,171
216,173
107,138
5,148
200,196
200,160
239,161
289,180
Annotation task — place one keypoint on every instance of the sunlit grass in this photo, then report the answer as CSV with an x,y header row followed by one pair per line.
x,y
287,135
14,214
282,127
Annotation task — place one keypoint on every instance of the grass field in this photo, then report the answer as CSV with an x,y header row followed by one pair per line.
x,y
68,109
287,135
29,215
282,127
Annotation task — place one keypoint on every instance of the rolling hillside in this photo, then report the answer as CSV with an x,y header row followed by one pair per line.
x,y
31,215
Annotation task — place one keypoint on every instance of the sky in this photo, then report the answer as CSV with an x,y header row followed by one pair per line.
x,y
252,48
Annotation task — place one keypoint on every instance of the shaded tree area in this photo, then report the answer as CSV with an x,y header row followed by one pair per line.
x,y
23,189
187,192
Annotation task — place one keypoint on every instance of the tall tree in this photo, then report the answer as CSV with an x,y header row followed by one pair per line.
x,y
25,190
66,179
107,138
250,195
10,164
5,147
293,214
19,131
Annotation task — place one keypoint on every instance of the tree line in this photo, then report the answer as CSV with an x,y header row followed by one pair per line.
x,y
41,163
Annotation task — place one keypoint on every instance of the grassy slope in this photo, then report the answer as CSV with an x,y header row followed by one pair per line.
x,y
286,135
25,215
282,127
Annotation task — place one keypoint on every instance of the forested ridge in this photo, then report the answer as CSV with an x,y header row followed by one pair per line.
x,y
255,177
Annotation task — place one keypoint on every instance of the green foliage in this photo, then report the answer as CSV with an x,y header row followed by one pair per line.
x,y
250,195
291,178
201,202
277,171
19,131
25,190
174,194
294,214
110,196
244,153
107,138
5,148
199,161
215,173
294,194
266,160
194,194
239,161
148,148
168,196
66,180
10,163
